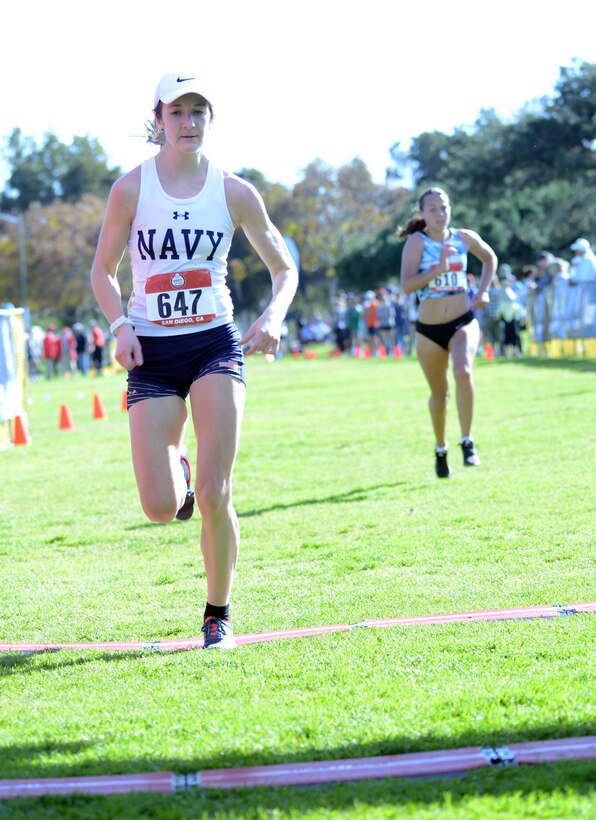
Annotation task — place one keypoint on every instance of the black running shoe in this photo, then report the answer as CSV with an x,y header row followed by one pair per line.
x,y
441,466
471,457
218,634
186,510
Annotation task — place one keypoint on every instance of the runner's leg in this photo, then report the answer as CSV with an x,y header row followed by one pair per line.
x,y
156,432
217,402
434,361
463,348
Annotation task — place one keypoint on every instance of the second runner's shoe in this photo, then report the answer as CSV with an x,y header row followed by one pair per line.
x,y
471,457
441,466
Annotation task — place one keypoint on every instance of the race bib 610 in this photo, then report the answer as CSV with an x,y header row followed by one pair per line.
x,y
453,281
181,298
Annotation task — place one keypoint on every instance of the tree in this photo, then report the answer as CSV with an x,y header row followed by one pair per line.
x,y
526,185
60,245
373,264
249,279
336,211
328,212
51,170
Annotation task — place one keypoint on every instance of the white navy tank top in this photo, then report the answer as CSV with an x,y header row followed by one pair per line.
x,y
179,250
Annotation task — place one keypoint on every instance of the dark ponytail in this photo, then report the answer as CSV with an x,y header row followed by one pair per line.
x,y
412,226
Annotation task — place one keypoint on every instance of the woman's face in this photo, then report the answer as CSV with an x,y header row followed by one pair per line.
x,y
436,211
185,122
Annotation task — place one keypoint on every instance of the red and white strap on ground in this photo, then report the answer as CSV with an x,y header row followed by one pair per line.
x,y
108,784
551,751
519,613
360,768
422,764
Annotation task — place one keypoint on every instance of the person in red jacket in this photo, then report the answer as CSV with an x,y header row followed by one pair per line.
x,y
51,351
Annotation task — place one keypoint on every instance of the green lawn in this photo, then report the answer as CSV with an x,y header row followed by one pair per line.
x,y
342,520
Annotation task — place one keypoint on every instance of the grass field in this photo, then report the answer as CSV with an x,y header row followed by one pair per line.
x,y
342,520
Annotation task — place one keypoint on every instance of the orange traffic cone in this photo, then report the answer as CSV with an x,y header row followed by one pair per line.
x,y
98,408
66,422
20,434
489,352
367,352
382,351
397,352
124,405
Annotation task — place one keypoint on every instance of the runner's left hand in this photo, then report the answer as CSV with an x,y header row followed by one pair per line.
x,y
480,300
263,336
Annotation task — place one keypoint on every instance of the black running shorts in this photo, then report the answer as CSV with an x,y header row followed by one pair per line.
x,y
441,334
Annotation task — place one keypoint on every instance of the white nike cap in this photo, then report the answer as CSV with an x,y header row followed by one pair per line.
x,y
177,83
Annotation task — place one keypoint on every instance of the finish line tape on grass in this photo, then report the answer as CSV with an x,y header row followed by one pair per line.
x,y
520,613
421,764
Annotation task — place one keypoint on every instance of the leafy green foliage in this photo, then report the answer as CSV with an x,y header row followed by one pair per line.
x,y
60,244
525,185
42,173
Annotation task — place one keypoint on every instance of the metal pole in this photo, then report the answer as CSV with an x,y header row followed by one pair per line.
x,y
22,262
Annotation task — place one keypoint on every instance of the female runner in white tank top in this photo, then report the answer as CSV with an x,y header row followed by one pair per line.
x,y
176,214
434,265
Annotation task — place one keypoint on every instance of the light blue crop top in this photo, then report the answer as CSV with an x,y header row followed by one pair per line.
x,y
444,284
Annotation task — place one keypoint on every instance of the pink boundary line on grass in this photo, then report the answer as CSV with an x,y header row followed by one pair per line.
x,y
171,645
419,764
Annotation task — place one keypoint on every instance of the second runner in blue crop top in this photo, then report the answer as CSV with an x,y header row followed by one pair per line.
x,y
435,268
454,279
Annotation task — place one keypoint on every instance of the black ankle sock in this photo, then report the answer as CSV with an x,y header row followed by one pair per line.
x,y
217,611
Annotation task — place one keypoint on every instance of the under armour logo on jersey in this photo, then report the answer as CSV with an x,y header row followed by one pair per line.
x,y
185,215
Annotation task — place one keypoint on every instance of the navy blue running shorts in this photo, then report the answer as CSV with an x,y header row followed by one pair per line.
x,y
172,363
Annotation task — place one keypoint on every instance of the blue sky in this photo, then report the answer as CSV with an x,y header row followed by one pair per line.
x,y
328,79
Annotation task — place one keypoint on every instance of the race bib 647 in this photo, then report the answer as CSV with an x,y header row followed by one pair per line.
x,y
181,298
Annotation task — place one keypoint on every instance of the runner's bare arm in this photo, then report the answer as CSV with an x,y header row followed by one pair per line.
x,y
248,212
482,251
111,245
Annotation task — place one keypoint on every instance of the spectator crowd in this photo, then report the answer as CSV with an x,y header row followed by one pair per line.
x,y
68,352
377,322
382,321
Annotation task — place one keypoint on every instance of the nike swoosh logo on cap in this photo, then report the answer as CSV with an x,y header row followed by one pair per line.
x,y
185,79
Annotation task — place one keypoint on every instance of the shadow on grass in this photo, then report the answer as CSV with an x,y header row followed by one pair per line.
x,y
15,663
355,495
536,782
349,497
